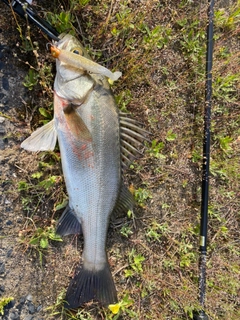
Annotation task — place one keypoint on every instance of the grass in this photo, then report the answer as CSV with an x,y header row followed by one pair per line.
x,y
4,301
160,48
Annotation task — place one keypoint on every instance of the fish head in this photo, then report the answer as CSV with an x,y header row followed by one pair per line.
x,y
71,44
69,79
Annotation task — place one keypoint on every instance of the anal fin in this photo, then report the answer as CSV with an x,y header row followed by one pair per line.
x,y
68,223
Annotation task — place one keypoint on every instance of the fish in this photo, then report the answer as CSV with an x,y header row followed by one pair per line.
x,y
96,142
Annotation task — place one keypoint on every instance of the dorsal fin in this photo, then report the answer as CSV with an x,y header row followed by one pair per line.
x,y
132,138
124,202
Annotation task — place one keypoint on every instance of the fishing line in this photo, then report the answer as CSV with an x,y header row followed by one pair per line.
x,y
205,167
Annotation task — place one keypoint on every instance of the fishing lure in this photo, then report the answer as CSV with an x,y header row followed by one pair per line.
x,y
76,60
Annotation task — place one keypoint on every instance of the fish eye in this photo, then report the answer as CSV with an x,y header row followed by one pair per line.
x,y
77,51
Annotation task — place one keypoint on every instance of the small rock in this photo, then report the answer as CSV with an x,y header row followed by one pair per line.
x,y
31,308
2,288
29,297
13,315
9,253
2,119
22,300
29,317
39,308
2,268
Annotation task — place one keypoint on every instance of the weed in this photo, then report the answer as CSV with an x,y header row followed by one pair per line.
x,y
38,239
156,230
31,79
135,263
123,99
158,37
192,43
141,195
227,19
4,301
171,136
126,231
224,87
121,308
63,22
225,144
155,149
58,308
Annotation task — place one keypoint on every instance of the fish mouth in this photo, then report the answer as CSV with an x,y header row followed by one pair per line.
x,y
66,42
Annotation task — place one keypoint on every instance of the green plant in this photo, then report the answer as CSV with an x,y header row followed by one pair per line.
x,y
4,301
58,308
156,230
31,79
224,87
228,19
63,22
158,37
170,136
126,230
121,308
37,239
123,99
155,149
135,263
141,195
192,40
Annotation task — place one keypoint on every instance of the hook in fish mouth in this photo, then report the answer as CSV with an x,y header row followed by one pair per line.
x,y
48,46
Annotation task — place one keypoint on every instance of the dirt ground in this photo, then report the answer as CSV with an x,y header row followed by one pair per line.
x,y
167,178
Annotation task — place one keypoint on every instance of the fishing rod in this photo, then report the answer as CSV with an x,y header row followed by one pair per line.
x,y
201,315
26,11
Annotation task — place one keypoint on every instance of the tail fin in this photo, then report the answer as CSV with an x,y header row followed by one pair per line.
x,y
90,285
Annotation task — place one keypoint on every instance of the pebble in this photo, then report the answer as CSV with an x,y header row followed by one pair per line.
x,y
31,308
24,309
13,315
29,318
29,297
9,253
2,119
39,308
9,223
2,268
2,289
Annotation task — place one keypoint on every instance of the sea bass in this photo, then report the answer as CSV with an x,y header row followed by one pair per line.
x,y
95,141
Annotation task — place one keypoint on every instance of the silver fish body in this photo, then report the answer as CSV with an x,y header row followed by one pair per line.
x,y
93,141
91,163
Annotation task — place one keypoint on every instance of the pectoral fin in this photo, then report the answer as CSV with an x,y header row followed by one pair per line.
x,y
76,125
43,139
